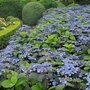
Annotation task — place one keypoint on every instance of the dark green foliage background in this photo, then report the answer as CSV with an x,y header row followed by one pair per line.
x,y
48,3
66,2
10,7
83,1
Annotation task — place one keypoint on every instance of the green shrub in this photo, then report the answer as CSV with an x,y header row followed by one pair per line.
x,y
70,5
49,3
10,8
83,1
32,12
59,4
7,32
9,17
2,24
24,2
67,2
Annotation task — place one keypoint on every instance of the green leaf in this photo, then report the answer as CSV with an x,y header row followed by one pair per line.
x,y
20,81
72,37
36,87
88,51
69,84
69,46
52,88
45,45
42,59
14,79
59,31
27,64
40,85
19,88
86,68
59,87
7,84
67,33
23,33
79,17
14,73
87,57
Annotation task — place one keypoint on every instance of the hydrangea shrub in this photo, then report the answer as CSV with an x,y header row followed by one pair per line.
x,y
56,51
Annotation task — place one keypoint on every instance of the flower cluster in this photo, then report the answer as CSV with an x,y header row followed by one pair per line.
x,y
41,68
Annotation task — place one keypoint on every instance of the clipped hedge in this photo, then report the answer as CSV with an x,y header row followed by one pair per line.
x,y
6,33
10,8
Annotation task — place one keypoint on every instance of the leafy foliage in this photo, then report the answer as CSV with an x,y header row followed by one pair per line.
x,y
8,29
10,8
53,51
48,3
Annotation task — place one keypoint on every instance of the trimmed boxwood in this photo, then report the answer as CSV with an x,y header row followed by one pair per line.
x,y
32,12
6,33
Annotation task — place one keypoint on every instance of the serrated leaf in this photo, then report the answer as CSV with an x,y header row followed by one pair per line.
x,y
7,84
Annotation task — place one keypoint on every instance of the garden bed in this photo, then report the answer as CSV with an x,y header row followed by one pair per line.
x,y
57,51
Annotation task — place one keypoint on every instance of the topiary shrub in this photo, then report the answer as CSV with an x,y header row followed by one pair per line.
x,y
32,12
49,3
